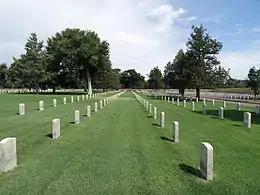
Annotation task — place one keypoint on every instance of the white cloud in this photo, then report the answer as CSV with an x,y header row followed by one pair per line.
x,y
256,30
191,18
165,16
240,62
136,42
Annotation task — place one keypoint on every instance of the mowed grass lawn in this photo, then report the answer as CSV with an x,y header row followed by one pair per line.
x,y
121,150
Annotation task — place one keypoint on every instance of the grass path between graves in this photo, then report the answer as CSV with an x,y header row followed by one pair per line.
x,y
121,150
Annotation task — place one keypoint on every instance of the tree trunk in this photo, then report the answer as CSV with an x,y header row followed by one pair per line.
x,y
89,83
182,91
53,89
198,92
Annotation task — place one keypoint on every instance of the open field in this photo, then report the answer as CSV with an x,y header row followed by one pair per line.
x,y
122,150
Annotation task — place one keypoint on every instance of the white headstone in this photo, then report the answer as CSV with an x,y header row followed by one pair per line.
x,y
192,106
8,159
86,96
197,99
88,111
175,131
162,119
41,105
221,112
238,106
21,109
173,100
206,161
104,102
204,101
71,99
213,102
154,112
78,98
55,128
150,108
54,103
100,104
184,103
178,102
96,107
247,119
224,104
76,117
147,105
64,100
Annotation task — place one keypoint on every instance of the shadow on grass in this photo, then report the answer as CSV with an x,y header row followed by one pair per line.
x,y
149,116
190,170
157,125
72,122
233,115
49,135
166,139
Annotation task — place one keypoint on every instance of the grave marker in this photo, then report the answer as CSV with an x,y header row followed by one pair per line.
x,y
175,131
162,119
88,111
221,113
54,103
55,128
21,109
41,105
8,160
206,161
76,117
247,119
64,100
96,107
154,112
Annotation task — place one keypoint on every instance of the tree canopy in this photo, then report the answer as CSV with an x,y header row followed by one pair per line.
x,y
254,80
155,79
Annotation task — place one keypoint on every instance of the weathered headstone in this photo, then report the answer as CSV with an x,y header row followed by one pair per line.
x,y
64,100
55,128
184,103
86,97
178,102
41,105
206,161
54,103
173,100
100,104
96,107
175,131
71,99
247,119
147,105
8,159
238,106
21,109
168,98
213,102
197,99
78,98
162,119
204,101
105,102
76,117
154,112
221,113
192,106
88,111
150,108
224,104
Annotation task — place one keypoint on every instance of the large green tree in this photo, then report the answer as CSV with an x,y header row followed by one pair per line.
x,y
132,79
176,74
254,80
30,69
3,74
202,52
76,57
155,79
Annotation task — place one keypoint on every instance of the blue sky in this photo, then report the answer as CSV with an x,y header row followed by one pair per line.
x,y
142,34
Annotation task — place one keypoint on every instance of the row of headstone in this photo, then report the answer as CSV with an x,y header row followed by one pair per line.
x,y
8,160
206,151
54,102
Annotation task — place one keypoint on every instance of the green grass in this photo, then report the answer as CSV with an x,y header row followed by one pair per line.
x,y
121,150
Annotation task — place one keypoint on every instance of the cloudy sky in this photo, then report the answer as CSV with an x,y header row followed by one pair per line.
x,y
142,34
